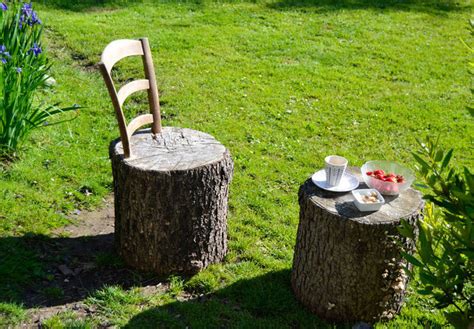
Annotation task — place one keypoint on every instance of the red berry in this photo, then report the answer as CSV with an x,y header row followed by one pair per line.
x,y
379,172
369,173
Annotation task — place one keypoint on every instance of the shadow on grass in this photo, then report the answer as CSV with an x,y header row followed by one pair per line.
x,y
84,5
261,302
34,271
430,6
38,270
87,5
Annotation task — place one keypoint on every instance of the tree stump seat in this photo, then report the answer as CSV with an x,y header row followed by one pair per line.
x,y
171,200
347,265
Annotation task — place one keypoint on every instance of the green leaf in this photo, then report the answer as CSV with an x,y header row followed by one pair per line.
x,y
432,180
427,278
446,159
427,291
425,167
406,229
439,156
443,304
411,259
426,251
421,185
469,179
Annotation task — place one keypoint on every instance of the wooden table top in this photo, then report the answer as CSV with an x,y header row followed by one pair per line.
x,y
341,204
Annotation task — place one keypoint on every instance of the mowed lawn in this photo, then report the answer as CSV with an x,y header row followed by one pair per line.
x,y
282,84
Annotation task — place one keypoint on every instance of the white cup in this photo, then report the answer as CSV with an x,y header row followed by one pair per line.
x,y
335,168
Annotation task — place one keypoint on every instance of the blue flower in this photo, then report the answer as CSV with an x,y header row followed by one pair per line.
x,y
19,70
3,6
35,49
27,9
4,54
28,16
34,19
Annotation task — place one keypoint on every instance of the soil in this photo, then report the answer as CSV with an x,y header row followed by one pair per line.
x,y
80,259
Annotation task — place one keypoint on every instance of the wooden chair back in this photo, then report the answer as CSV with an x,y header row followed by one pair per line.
x,y
114,52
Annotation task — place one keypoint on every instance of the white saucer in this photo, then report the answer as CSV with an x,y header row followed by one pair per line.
x,y
348,182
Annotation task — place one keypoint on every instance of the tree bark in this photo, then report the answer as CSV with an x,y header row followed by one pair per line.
x,y
171,200
347,264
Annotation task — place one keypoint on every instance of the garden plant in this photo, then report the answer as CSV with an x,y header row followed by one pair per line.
x,y
444,264
24,73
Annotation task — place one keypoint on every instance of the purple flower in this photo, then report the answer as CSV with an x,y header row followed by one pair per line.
x,y
4,54
3,6
19,70
28,16
27,9
34,19
35,49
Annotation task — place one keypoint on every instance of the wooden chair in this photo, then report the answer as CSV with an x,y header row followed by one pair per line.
x,y
114,52
170,193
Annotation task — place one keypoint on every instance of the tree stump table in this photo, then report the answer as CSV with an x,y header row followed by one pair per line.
x,y
171,200
347,264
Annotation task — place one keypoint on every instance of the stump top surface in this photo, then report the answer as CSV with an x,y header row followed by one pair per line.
x,y
173,149
396,207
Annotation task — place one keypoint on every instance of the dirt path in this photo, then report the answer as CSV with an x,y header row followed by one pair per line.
x,y
79,259
91,223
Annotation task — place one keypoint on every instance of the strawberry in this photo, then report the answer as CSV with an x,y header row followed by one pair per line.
x,y
379,172
389,177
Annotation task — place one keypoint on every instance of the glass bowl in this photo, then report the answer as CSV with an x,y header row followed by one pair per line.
x,y
387,188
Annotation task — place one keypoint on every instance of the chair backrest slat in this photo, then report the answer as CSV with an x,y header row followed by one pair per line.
x,y
131,88
119,49
114,52
137,122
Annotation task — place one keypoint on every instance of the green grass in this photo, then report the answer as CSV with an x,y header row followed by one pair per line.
x,y
66,320
282,84
11,313
117,304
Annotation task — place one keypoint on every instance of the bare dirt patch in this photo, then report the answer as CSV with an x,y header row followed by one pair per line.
x,y
80,259
91,223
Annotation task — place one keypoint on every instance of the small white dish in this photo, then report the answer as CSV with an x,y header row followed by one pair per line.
x,y
348,182
361,199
